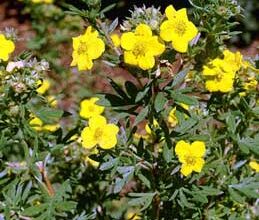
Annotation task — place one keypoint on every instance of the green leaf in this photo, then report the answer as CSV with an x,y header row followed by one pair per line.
x,y
182,98
143,199
142,94
167,153
160,101
141,116
131,89
144,180
49,115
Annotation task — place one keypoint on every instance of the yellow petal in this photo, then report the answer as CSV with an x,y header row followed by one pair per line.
x,y
170,12
146,62
88,138
186,170
182,13
198,165
97,122
130,58
182,148
180,44
95,48
198,148
128,40
116,40
109,138
166,30
143,30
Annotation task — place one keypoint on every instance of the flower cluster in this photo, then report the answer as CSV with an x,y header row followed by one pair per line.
x,y
220,72
98,131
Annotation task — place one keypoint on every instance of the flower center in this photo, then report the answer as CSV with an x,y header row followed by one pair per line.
x,y
180,27
82,49
139,49
190,160
98,133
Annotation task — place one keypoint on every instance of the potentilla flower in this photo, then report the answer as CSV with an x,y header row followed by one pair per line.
x,y
191,156
99,132
89,109
220,73
86,48
141,47
177,29
254,165
172,119
6,48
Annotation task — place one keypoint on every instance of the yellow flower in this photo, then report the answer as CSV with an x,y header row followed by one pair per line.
x,y
177,29
86,48
99,132
116,40
6,48
141,47
38,125
254,165
44,86
191,156
234,60
89,109
219,76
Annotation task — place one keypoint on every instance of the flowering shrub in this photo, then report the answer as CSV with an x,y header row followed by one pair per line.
x,y
178,141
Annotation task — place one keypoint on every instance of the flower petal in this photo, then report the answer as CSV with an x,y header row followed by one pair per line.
x,y
146,62
198,148
97,122
143,30
128,40
182,148
186,170
88,138
198,165
170,12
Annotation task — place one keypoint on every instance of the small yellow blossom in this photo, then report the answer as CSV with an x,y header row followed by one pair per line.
x,y
86,48
44,86
38,125
99,132
191,156
177,29
116,40
6,48
89,109
251,84
254,165
220,73
141,47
